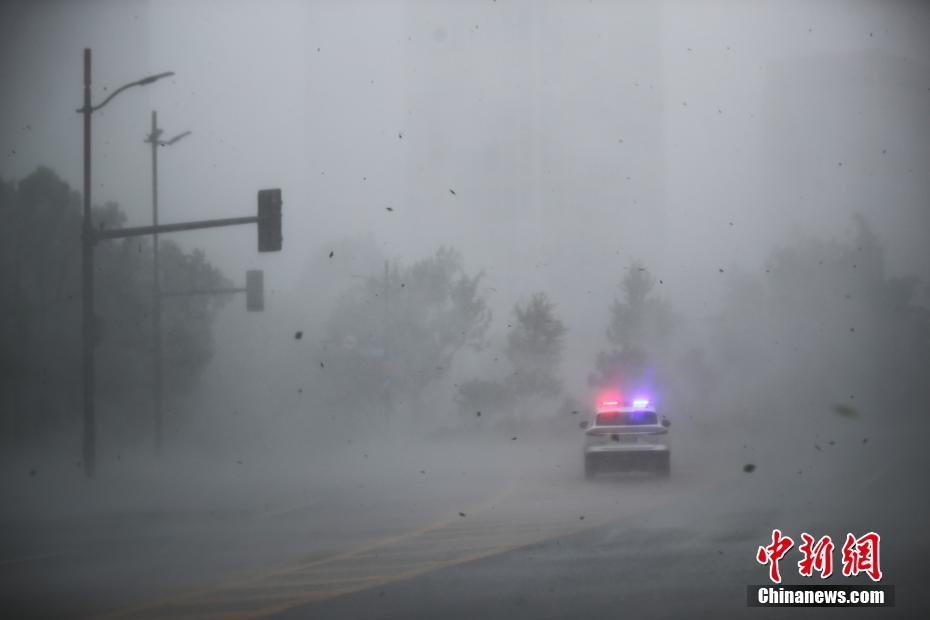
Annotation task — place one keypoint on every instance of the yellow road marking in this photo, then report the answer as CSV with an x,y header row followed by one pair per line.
x,y
381,562
191,597
445,543
311,597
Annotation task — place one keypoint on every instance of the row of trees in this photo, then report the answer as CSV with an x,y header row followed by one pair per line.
x,y
823,322
393,337
389,347
826,326
40,305
820,326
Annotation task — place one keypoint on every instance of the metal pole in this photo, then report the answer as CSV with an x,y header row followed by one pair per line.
x,y
213,291
87,290
157,352
387,358
88,240
140,231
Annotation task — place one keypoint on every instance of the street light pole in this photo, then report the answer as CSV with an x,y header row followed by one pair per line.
x,y
156,293
88,240
87,281
157,342
388,409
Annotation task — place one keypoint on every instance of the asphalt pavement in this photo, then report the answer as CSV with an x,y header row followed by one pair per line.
x,y
503,530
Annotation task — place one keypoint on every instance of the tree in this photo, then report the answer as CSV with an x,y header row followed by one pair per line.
x,y
395,335
826,324
187,321
40,320
640,321
534,350
534,347
639,329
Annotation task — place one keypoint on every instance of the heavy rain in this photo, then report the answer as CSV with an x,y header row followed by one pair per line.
x,y
504,308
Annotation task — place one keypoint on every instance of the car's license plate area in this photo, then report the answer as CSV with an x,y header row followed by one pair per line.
x,y
627,438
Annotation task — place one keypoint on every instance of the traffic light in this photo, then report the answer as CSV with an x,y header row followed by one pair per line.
x,y
269,220
254,290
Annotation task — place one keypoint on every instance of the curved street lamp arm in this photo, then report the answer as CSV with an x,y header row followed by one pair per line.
x,y
175,139
142,82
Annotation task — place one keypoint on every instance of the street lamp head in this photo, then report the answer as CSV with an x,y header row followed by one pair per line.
x,y
154,78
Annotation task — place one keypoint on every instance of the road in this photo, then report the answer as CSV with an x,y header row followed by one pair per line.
x,y
507,529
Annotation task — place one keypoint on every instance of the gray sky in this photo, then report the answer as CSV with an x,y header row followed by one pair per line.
x,y
576,135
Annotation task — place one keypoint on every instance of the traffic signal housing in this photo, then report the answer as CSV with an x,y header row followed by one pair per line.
x,y
254,290
269,220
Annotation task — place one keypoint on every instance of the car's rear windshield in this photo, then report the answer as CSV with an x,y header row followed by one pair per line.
x,y
626,418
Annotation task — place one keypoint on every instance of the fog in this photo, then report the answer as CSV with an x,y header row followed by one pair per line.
x,y
494,214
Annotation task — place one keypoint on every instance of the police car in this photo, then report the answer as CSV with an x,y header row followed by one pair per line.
x,y
625,437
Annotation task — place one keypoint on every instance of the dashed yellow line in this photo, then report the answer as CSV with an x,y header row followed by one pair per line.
x,y
248,608
310,581
445,543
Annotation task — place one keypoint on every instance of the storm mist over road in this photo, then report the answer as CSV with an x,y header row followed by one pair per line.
x,y
496,215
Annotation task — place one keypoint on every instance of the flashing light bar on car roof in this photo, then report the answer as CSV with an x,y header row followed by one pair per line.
x,y
610,402
641,403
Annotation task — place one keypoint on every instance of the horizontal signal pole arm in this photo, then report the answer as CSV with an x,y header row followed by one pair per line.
x,y
212,291
138,231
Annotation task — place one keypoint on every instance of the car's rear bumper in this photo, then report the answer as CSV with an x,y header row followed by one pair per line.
x,y
649,458
633,449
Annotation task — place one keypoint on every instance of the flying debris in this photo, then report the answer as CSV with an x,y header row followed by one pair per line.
x,y
845,411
